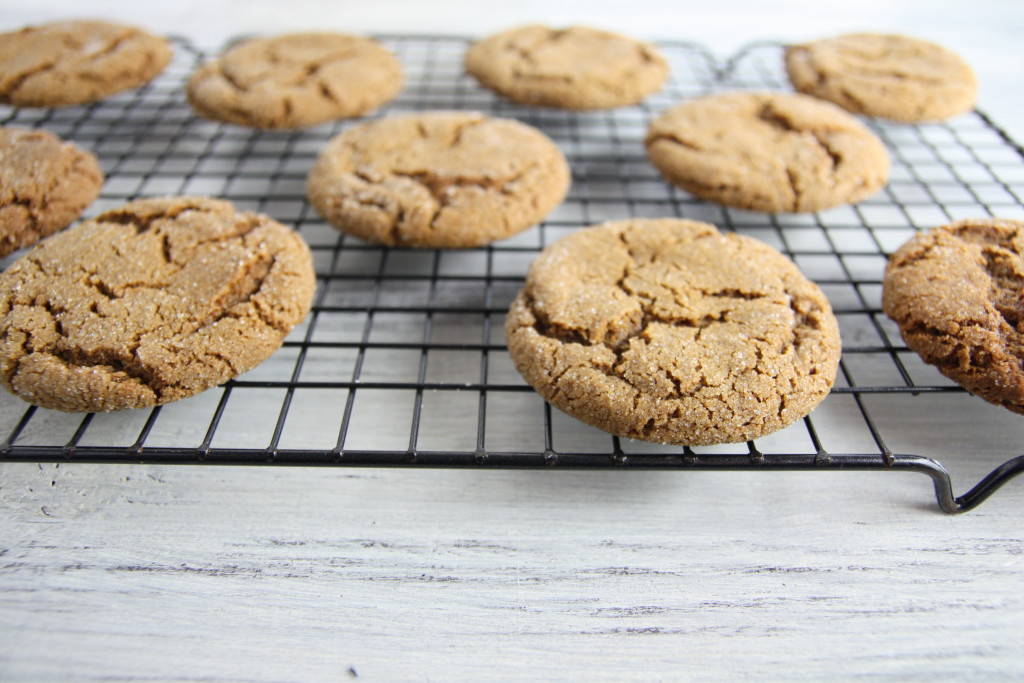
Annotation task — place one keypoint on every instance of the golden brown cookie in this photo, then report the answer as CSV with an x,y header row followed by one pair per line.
x,y
45,184
667,330
74,62
773,152
438,179
572,68
889,76
154,301
957,294
295,80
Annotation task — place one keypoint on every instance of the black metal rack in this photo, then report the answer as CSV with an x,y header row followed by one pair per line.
x,y
402,361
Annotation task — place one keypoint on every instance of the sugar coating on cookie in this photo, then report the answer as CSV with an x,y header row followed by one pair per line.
x,y
772,152
45,184
76,62
152,302
295,80
957,294
438,179
667,330
572,68
885,75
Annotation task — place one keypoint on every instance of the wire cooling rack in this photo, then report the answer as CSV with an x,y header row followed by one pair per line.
x,y
402,361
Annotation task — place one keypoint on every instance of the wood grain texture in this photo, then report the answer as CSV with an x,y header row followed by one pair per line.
x,y
276,574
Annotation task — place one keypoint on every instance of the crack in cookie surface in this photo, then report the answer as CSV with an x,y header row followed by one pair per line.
x,y
891,76
641,327
438,179
45,184
975,337
149,303
74,62
573,68
296,80
767,152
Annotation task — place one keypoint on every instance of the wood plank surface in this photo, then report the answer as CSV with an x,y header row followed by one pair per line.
x,y
278,574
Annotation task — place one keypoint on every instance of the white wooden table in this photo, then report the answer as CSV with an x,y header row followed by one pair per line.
x,y
218,573
189,573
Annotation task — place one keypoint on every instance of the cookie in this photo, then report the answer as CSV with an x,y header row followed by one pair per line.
x,y
295,80
889,76
667,330
957,294
45,184
438,179
148,303
771,152
572,68
75,62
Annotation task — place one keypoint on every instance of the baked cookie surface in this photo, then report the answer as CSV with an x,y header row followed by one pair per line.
x,y
154,301
772,152
667,330
45,184
295,80
75,62
957,294
572,68
438,179
889,76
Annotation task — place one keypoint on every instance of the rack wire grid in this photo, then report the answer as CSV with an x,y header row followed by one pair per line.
x,y
402,361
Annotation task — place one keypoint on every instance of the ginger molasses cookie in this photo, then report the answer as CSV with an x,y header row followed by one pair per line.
x,y
890,76
438,179
773,152
667,330
45,184
154,301
75,62
957,294
572,68
295,80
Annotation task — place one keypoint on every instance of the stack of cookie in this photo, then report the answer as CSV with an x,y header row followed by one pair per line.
x,y
657,329
149,303
956,291
643,330
455,179
47,183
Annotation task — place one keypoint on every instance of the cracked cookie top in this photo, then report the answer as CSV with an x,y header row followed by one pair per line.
x,y
155,301
75,62
772,152
890,76
572,68
957,294
295,80
438,179
45,184
667,330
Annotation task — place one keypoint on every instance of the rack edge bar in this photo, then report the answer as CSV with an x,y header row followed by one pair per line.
x,y
947,501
